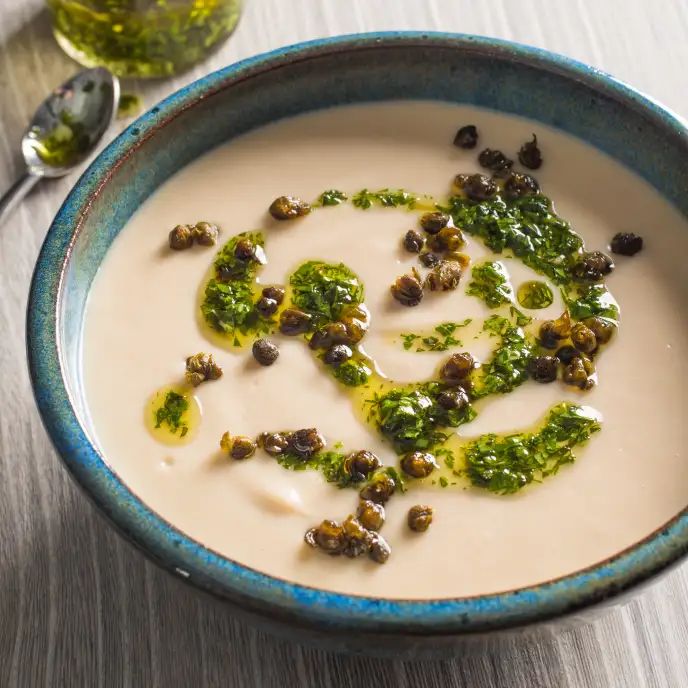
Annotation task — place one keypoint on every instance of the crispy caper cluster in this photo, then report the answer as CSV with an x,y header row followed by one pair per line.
x,y
478,187
288,208
265,352
529,154
408,289
350,538
626,244
419,518
466,137
445,276
447,239
184,236
201,367
302,443
238,447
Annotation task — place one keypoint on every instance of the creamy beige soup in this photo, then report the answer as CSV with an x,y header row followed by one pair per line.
x,y
141,324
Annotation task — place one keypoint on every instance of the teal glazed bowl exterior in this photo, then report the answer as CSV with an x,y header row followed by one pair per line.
x,y
370,67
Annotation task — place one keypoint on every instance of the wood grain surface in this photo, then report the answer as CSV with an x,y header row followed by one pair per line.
x,y
80,607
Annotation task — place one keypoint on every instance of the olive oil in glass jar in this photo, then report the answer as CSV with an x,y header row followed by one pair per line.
x,y
142,38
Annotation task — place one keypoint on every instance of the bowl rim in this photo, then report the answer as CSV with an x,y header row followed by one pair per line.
x,y
213,572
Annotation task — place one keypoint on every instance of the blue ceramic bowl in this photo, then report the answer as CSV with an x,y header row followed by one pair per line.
x,y
455,68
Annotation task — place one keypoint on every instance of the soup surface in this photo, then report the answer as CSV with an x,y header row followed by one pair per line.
x,y
142,322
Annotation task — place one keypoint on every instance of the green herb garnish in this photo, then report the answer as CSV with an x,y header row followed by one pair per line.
x,y
129,105
331,197
432,342
535,294
352,373
323,290
595,299
490,282
505,464
388,198
171,412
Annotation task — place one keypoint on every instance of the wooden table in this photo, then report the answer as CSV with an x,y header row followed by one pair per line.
x,y
80,607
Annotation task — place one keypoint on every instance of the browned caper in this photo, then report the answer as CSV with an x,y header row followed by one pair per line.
x,y
244,250
325,337
358,538
238,447
429,260
602,328
517,185
529,154
496,161
433,222
266,307
453,399
265,352
626,243
413,241
445,276
447,239
592,267
466,137
205,233
419,518
408,290
274,443
379,489
306,442
479,187
543,368
181,237
379,549
457,368
370,514
201,367
274,293
293,321
583,338
356,321
418,464
337,353
361,464
553,331
566,354
288,208
578,372
329,536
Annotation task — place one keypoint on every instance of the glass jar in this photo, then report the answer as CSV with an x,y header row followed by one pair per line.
x,y
142,38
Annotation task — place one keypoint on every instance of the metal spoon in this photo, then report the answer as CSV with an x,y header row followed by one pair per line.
x,y
64,131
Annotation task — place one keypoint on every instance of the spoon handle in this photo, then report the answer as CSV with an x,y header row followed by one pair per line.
x,y
14,195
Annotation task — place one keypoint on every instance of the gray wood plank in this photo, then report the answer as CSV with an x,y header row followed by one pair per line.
x,y
80,607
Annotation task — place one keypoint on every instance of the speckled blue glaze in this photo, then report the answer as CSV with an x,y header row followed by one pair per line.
x,y
465,69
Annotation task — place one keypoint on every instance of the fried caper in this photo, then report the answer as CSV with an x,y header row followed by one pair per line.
x,y
419,518
337,353
266,307
583,338
288,208
433,222
370,514
205,233
592,267
463,259
447,239
293,321
418,464
201,367
577,373
181,237
566,354
479,187
379,549
445,276
238,447
466,137
518,184
361,464
329,536
325,337
274,293
626,243
602,328
552,331
413,241
306,442
244,250
265,352
358,538
274,443
457,368
543,368
452,399
356,321
379,489
496,161
529,154
408,290
429,260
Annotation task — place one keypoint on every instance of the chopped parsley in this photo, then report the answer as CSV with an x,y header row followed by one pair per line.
x,y
505,464
388,198
490,282
508,365
331,197
323,290
352,373
528,226
535,294
171,412
594,299
229,267
329,463
432,342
